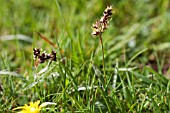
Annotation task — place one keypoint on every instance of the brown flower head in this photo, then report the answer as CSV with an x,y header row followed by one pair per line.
x,y
52,56
36,52
101,25
44,56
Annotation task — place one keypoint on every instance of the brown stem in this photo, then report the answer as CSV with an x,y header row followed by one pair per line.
x,y
101,41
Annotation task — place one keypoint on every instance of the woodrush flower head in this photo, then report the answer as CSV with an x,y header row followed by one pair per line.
x,y
44,56
36,52
33,107
101,25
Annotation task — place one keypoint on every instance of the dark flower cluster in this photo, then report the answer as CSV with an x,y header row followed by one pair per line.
x,y
44,56
101,25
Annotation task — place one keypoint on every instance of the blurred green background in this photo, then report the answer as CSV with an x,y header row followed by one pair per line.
x,y
136,25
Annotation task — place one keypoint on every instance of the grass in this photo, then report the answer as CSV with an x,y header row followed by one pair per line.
x,y
136,51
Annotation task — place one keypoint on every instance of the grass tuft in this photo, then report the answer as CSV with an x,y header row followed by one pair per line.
x,y
129,73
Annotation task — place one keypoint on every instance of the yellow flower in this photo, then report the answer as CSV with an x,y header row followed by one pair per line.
x,y
33,107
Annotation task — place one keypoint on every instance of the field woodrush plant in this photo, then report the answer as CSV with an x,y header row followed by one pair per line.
x,y
100,26
134,82
44,56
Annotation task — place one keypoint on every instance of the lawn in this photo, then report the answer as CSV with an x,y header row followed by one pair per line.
x,y
125,68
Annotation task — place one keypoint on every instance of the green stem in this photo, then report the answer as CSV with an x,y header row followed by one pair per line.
x,y
101,41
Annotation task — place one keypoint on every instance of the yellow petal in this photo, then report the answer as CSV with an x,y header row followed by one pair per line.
x,y
18,108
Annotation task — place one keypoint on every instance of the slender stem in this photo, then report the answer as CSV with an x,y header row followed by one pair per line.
x,y
101,41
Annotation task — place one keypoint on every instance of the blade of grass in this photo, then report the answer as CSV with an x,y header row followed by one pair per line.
x,y
135,56
105,99
144,78
11,74
63,19
17,36
99,75
46,39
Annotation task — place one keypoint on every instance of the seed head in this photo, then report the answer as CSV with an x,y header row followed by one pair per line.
x,y
44,56
101,25
36,53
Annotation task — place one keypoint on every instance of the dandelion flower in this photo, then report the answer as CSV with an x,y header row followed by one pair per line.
x,y
33,107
